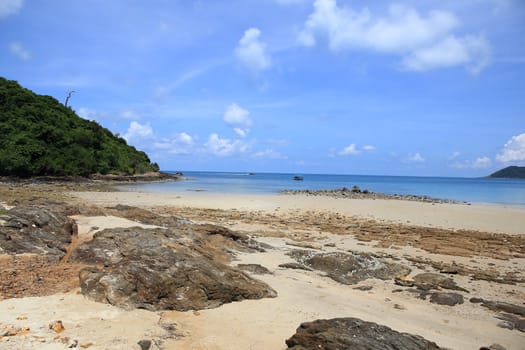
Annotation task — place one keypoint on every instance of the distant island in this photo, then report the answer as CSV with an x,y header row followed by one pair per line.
x,y
511,172
42,137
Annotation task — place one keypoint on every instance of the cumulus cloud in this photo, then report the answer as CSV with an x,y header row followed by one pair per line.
x,y
479,163
352,149
251,52
415,158
513,150
181,143
224,147
424,42
138,132
238,118
270,154
18,50
9,7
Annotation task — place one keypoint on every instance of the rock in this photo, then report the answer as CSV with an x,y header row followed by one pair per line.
x,y
353,333
502,306
511,322
428,280
295,266
40,228
363,288
159,269
493,347
57,326
449,299
254,268
144,344
349,268
404,281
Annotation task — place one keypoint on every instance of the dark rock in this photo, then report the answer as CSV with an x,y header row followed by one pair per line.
x,y
505,307
449,299
428,280
40,228
295,266
364,288
254,268
511,322
159,269
353,333
493,347
476,300
144,344
350,268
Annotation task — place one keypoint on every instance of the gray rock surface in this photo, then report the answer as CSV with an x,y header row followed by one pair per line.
x,y
42,228
450,299
160,269
353,333
429,280
349,268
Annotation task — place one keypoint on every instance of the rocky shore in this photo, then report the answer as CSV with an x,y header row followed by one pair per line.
x,y
76,274
356,193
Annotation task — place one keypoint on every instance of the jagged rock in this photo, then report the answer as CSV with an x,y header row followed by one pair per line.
x,y
144,344
449,299
40,228
428,280
254,268
404,281
160,269
295,266
493,347
349,268
353,333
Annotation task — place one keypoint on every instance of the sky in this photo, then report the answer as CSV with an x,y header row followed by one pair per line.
x,y
407,87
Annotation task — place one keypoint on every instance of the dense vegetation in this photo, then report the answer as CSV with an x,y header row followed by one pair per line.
x,y
512,172
40,136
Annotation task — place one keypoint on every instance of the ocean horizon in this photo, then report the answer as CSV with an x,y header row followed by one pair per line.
x,y
473,190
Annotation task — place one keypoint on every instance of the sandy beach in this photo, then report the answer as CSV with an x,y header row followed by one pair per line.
x,y
484,243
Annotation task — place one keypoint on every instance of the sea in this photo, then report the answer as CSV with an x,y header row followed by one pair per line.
x,y
509,192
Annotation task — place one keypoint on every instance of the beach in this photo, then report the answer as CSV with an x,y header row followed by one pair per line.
x,y
481,248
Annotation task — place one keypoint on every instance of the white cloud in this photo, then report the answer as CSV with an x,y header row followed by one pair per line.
x,y
479,163
454,155
138,132
290,2
251,51
419,39
18,50
269,153
471,51
223,147
415,158
9,7
513,150
129,114
91,114
352,149
238,118
349,150
181,143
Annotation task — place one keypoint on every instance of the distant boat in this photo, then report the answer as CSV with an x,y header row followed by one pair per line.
x,y
298,178
251,174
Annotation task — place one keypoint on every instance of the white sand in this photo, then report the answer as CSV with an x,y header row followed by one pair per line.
x,y
490,218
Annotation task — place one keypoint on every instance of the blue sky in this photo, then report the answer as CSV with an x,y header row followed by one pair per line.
x,y
352,87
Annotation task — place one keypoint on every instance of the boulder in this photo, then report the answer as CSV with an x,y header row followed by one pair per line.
x,y
429,280
39,228
350,268
159,269
450,299
353,333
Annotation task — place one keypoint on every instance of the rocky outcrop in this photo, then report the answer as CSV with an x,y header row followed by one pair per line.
x,y
449,299
349,268
40,228
353,333
160,269
429,280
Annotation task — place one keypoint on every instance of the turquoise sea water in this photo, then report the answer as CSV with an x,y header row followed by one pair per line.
x,y
474,190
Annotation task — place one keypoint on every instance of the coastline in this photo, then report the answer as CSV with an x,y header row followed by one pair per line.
x,y
480,247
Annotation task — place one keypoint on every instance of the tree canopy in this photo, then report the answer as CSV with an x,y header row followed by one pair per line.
x,y
40,136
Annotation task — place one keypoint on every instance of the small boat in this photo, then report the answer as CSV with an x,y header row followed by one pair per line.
x,y
298,178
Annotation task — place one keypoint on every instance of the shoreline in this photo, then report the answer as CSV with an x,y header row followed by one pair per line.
x,y
481,248
488,218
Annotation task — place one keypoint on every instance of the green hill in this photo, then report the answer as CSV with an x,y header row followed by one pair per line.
x,y
512,172
40,136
